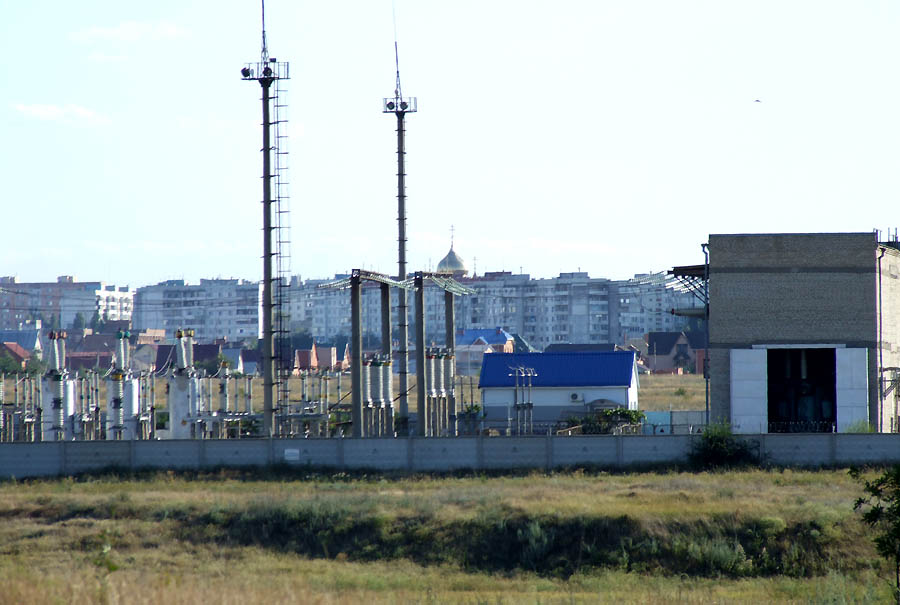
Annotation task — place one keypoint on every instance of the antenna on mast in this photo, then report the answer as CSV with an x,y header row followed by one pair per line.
x,y
400,106
398,92
264,55
269,73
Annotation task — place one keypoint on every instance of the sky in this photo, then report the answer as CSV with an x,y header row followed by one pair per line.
x,y
602,136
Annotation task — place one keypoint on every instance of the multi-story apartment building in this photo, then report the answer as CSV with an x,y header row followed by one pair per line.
x,y
572,307
644,303
61,302
215,308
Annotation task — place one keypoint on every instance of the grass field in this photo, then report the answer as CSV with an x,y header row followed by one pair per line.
x,y
672,392
565,537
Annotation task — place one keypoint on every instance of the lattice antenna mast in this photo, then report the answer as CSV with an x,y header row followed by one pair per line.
x,y
267,72
400,106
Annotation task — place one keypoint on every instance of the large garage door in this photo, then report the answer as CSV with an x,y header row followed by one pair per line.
x,y
852,387
749,409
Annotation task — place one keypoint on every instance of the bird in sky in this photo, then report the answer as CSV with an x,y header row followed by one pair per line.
x,y
757,101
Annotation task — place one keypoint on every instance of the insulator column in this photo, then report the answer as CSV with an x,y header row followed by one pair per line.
x,y
387,385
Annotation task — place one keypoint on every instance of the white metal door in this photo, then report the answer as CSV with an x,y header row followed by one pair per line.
x,y
749,400
852,387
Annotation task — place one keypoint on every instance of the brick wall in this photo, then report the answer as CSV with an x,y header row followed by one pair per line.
x,y
792,289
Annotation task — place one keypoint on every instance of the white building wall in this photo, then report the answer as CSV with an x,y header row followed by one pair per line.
x,y
549,396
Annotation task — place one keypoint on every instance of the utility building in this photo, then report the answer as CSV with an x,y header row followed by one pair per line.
x,y
555,386
804,331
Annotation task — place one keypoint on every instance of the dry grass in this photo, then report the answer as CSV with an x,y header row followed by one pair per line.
x,y
55,547
663,392
258,577
791,494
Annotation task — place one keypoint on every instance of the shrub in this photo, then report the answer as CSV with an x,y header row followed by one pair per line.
x,y
717,447
881,512
606,421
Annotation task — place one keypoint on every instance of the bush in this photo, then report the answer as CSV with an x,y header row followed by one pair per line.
x,y
718,447
606,421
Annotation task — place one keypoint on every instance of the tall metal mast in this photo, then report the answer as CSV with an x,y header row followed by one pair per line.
x,y
266,72
400,106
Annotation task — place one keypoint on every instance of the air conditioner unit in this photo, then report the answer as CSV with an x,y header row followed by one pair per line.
x,y
574,397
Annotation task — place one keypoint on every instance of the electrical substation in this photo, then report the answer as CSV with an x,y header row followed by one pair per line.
x,y
64,407
798,351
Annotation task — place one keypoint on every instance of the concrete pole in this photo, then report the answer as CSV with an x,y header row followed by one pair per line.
x,y
386,346
386,320
705,248
450,341
356,411
516,399
268,352
421,394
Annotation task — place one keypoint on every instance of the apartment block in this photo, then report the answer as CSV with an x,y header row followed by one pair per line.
x,y
572,307
215,309
59,303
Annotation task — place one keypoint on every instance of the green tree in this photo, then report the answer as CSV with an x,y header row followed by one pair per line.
x,y
34,365
79,322
881,511
301,340
8,365
211,366
607,421
718,447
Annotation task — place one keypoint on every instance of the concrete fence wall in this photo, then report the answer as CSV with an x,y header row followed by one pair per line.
x,y
22,460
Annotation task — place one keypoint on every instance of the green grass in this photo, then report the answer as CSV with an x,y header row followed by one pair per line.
x,y
288,536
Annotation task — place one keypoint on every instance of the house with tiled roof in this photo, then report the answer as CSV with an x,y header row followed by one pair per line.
x,y
675,352
165,355
306,359
80,361
16,352
29,338
327,357
560,385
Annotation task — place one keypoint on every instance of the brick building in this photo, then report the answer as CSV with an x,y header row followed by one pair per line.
x,y
803,327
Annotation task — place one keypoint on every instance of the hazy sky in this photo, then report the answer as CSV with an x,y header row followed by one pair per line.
x,y
610,137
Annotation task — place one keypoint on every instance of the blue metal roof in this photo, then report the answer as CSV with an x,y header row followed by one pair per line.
x,y
601,369
492,336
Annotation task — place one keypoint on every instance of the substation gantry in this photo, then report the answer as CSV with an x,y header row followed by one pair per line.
x,y
372,407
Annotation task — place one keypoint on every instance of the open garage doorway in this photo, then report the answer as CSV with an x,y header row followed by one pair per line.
x,y
801,386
